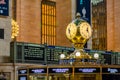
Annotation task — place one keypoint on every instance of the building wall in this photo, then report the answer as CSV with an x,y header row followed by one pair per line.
x,y
64,17
28,18
117,24
5,23
113,22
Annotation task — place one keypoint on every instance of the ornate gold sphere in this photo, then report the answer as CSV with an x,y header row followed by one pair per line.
x,y
78,32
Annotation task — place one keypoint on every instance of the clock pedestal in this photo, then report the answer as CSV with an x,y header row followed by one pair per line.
x,y
80,56
78,32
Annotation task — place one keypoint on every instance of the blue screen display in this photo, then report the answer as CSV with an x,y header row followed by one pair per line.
x,y
4,7
84,8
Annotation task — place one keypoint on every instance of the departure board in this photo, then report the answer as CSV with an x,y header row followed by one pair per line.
x,y
87,70
22,71
37,70
60,70
33,53
42,53
53,52
22,77
111,70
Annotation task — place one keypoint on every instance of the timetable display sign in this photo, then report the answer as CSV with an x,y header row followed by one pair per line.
x,y
111,70
53,52
38,70
4,7
60,70
87,70
33,53
40,53
22,77
22,71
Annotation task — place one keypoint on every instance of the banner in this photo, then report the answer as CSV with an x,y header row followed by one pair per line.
x,y
84,8
4,7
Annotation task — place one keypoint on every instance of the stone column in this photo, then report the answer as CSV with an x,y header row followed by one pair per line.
x,y
73,8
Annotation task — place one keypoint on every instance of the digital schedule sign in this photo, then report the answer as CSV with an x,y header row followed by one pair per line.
x,y
110,70
60,70
37,70
53,52
22,77
87,70
22,71
33,52
39,53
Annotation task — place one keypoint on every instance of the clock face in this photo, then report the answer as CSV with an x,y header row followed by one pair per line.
x,y
71,31
85,30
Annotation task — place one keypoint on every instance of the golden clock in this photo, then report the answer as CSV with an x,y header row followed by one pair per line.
x,y
71,31
85,30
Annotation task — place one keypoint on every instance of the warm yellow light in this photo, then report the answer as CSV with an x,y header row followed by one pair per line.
x,y
77,53
96,55
62,56
15,29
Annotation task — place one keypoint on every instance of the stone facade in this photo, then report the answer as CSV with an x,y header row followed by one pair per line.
x,y
5,23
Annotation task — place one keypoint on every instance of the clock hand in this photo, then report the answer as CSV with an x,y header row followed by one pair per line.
x,y
87,30
69,30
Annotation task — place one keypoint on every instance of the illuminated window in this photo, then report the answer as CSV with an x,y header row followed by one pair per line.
x,y
48,17
99,22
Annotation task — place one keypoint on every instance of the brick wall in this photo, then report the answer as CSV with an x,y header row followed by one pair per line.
x,y
64,17
110,25
113,25
28,18
117,24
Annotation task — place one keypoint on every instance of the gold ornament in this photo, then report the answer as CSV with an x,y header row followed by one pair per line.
x,y
15,29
